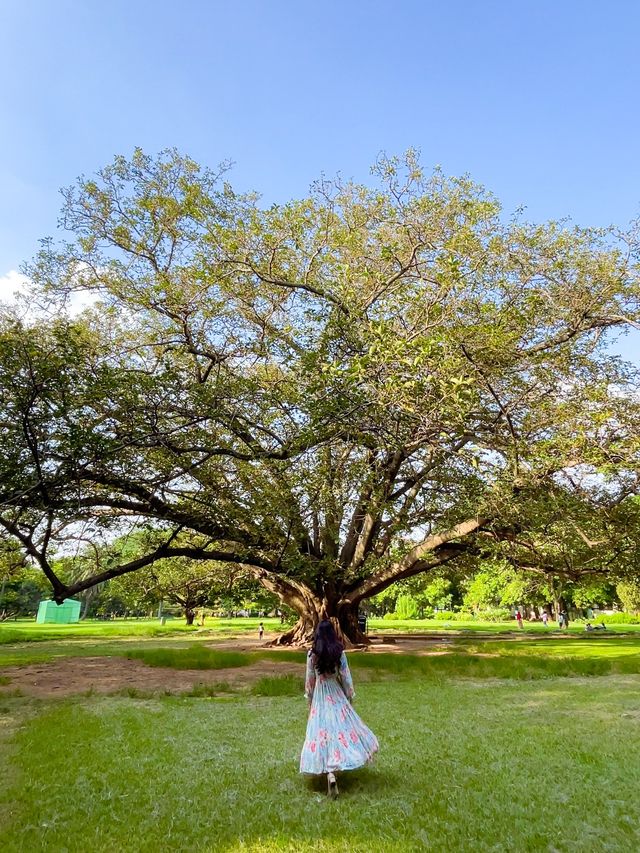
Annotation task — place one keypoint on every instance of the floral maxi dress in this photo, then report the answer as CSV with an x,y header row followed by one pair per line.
x,y
336,738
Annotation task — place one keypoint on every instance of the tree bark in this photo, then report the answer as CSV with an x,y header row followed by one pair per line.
x,y
190,615
340,601
343,615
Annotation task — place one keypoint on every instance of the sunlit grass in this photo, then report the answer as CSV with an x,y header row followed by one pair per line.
x,y
471,741
440,626
27,630
463,766
46,651
521,659
585,646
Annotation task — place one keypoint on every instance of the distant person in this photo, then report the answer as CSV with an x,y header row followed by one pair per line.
x,y
561,620
202,618
588,627
260,631
519,619
565,618
600,627
545,618
336,738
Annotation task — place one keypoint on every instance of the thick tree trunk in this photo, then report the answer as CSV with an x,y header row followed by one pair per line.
x,y
190,615
339,600
344,617
302,632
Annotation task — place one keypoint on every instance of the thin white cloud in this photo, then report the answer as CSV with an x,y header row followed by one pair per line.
x,y
12,284
14,291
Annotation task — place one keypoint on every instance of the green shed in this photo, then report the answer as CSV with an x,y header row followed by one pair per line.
x,y
68,611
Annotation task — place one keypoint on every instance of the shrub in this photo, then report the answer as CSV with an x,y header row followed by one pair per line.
x,y
616,619
406,607
453,616
493,614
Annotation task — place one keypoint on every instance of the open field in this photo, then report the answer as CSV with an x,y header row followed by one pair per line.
x,y
463,766
483,740
442,626
27,630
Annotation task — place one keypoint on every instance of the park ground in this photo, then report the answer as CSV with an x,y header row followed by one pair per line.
x,y
135,736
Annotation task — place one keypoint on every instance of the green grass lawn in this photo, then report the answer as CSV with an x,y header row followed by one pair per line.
x,y
487,747
440,626
553,765
25,642
27,630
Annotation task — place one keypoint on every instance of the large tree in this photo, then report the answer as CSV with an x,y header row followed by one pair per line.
x,y
335,393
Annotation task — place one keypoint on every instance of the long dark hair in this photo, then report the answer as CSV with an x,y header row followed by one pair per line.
x,y
326,648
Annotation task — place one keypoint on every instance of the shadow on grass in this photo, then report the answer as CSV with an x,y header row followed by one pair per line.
x,y
365,779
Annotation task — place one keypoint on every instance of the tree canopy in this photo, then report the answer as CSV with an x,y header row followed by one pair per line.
x,y
334,393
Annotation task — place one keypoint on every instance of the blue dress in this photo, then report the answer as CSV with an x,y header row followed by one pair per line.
x,y
336,738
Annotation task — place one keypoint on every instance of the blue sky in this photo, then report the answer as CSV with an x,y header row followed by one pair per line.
x,y
536,100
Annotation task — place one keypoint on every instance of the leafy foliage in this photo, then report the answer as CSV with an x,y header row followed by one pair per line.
x,y
335,394
629,594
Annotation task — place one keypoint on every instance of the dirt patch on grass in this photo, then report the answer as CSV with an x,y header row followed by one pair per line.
x,y
435,644
104,674
111,674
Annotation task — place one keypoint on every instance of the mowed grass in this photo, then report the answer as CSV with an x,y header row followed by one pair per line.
x,y
544,658
522,659
442,626
466,766
27,630
46,651
32,643
477,750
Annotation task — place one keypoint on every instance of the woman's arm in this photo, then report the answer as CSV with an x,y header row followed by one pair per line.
x,y
310,679
345,678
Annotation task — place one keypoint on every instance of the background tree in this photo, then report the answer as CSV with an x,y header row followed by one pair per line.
x,y
177,581
406,606
574,545
628,592
336,394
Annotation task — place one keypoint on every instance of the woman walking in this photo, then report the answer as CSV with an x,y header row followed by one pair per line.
x,y
336,738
